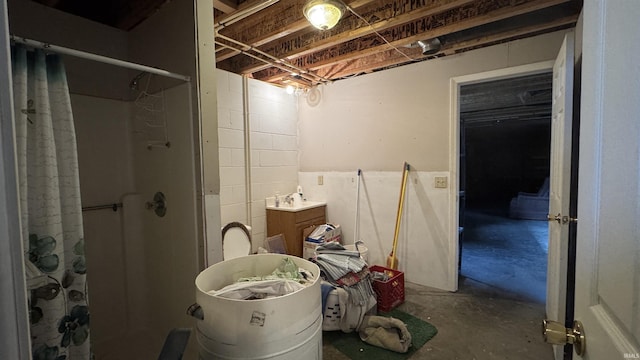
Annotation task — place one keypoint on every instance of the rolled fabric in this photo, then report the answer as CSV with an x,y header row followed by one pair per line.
x,y
385,332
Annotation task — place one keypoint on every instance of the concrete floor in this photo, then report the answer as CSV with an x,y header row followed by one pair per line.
x,y
508,254
497,311
477,322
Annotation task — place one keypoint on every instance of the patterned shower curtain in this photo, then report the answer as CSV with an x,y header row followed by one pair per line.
x,y
51,213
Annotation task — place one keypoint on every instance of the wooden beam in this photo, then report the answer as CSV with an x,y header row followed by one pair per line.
x,y
278,21
381,16
432,24
364,64
409,33
564,22
226,6
50,3
134,12
390,57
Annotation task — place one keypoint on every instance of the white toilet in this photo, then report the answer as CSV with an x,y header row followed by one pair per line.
x,y
236,240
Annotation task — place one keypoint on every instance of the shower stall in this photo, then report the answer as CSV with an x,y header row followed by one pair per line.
x,y
137,138
134,255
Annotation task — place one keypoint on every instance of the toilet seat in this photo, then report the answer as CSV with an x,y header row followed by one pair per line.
x,y
236,240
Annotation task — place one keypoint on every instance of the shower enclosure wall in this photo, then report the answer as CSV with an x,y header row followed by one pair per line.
x,y
134,256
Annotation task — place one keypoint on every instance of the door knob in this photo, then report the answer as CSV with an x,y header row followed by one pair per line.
x,y
555,333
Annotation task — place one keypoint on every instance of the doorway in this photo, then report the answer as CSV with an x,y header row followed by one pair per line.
x,y
505,129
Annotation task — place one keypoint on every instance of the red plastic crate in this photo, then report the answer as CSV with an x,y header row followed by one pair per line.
x,y
390,293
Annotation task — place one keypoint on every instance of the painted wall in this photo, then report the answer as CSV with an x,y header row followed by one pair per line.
x,y
273,155
106,173
375,122
423,246
379,120
170,243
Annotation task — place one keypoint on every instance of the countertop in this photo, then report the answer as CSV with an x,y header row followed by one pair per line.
x,y
304,206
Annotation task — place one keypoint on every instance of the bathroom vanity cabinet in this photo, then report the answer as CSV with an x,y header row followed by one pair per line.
x,y
292,221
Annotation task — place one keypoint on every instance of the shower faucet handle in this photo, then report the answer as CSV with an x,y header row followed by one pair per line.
x,y
159,204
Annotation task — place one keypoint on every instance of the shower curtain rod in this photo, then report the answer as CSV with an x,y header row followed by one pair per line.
x,y
96,57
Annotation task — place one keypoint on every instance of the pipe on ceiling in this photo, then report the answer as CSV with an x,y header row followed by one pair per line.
x,y
274,61
311,79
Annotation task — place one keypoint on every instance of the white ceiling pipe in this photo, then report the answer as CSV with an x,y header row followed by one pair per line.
x,y
274,60
283,68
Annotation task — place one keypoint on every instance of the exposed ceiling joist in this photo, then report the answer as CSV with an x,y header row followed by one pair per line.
x,y
353,41
383,56
391,57
350,28
284,18
270,40
226,6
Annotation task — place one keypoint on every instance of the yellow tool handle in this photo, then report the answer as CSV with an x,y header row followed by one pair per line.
x,y
405,175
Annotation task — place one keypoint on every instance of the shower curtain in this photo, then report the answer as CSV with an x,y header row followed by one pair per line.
x,y
51,213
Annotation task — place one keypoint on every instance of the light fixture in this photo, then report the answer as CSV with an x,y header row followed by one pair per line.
x,y
324,14
290,89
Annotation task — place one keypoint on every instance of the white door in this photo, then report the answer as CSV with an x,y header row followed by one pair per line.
x,y
608,235
559,184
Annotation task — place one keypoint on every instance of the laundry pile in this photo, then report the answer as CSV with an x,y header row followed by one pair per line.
x,y
285,279
349,274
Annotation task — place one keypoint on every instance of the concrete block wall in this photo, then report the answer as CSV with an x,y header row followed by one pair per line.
x,y
231,148
273,154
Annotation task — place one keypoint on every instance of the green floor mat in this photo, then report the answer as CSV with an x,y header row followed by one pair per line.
x,y
351,345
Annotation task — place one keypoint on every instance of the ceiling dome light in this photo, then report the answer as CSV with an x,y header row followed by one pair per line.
x,y
324,14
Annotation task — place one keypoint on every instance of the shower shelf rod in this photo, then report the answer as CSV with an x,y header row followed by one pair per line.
x,y
113,207
96,57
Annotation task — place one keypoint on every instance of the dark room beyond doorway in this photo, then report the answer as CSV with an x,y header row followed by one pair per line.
x,y
504,151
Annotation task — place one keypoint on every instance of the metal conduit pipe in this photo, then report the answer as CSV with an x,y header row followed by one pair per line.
x,y
274,59
303,76
312,77
247,149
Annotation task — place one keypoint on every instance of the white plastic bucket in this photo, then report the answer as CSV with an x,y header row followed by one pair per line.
x,y
364,251
287,327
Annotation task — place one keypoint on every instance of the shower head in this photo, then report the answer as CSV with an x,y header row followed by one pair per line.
x,y
133,84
